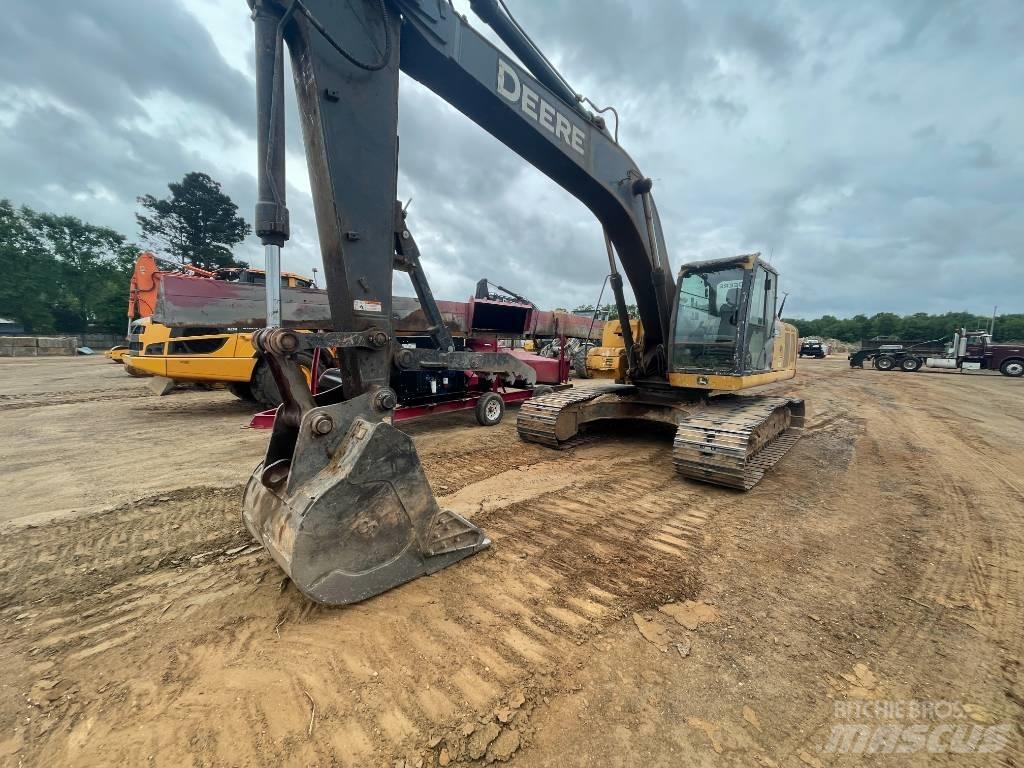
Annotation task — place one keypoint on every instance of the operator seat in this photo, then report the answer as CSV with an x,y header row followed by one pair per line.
x,y
728,316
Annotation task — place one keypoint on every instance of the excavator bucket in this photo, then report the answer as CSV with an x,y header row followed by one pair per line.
x,y
350,514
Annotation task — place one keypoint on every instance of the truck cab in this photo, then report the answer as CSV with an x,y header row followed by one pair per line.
x,y
975,348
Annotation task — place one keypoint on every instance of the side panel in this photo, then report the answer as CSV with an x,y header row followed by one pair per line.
x,y
785,347
232,362
728,383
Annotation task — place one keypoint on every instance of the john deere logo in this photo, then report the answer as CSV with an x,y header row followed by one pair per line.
x,y
702,381
538,109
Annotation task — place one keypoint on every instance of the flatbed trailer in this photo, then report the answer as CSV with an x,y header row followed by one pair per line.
x,y
470,393
870,349
488,412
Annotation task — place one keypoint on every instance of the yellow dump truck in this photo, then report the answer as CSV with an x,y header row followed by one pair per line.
x,y
199,355
208,356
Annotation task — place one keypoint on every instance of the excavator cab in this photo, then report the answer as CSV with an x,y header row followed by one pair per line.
x,y
725,332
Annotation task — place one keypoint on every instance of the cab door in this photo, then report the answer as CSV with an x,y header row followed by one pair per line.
x,y
760,321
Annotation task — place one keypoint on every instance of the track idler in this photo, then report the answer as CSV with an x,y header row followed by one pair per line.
x,y
347,512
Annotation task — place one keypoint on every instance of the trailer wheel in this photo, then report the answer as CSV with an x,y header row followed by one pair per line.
x,y
1014,368
542,389
489,409
885,362
910,364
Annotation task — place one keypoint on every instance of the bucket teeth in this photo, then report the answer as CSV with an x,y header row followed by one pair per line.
x,y
451,532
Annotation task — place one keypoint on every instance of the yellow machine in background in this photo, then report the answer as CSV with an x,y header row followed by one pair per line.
x,y
608,361
724,336
207,356
201,355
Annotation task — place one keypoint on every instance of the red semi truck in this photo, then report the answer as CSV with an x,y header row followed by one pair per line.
x,y
968,351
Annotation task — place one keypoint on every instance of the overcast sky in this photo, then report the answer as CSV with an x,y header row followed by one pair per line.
x,y
875,149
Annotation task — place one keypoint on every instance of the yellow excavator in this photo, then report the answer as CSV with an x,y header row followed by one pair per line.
x,y
725,337
341,500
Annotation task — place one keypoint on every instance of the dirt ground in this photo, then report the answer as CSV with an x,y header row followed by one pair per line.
x,y
623,617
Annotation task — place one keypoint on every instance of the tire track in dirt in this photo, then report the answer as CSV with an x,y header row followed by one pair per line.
x,y
425,658
889,448
79,555
19,402
952,538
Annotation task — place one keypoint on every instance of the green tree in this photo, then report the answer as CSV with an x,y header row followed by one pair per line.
x,y
62,274
917,327
197,223
94,265
29,285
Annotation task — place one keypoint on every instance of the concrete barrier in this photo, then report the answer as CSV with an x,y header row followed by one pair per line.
x,y
37,346
57,342
17,341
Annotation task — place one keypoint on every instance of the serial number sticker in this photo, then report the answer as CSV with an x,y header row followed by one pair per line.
x,y
367,306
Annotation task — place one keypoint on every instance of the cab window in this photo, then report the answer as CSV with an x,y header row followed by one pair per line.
x,y
760,320
707,319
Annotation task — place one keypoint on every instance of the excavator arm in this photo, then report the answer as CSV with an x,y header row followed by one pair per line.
x,y
546,125
341,500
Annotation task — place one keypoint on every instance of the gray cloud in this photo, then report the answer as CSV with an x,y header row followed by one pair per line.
x,y
98,57
872,148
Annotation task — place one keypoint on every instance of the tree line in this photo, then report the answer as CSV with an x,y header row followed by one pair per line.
x,y
61,274
920,326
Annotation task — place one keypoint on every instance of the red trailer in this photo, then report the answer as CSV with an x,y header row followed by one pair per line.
x,y
487,399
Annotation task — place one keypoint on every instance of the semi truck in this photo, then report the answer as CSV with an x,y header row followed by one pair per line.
x,y
966,351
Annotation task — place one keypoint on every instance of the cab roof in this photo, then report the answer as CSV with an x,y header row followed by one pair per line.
x,y
744,261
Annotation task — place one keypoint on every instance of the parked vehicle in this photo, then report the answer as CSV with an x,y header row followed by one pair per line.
x,y
813,348
967,351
